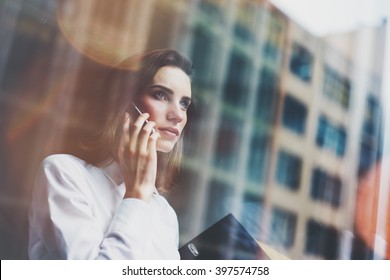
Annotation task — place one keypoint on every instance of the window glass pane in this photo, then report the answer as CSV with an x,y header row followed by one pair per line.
x,y
371,138
228,143
258,157
321,240
267,95
274,38
283,227
244,28
372,114
326,187
294,114
219,201
236,88
331,136
337,87
301,62
289,170
214,10
204,43
252,214
282,114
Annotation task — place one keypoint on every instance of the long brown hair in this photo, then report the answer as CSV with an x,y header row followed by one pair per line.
x,y
97,134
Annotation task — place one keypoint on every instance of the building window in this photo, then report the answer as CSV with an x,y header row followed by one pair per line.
x,y
202,55
270,51
331,137
294,115
288,171
219,201
283,224
245,24
369,154
243,33
372,116
273,37
301,62
252,214
337,87
257,161
371,141
236,89
228,143
267,94
325,187
321,240
214,9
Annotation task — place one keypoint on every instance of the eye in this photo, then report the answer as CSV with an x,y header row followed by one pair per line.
x,y
185,103
160,95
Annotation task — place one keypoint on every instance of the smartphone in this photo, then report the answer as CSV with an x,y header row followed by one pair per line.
x,y
139,112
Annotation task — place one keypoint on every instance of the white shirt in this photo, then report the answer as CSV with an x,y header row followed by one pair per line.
x,y
78,212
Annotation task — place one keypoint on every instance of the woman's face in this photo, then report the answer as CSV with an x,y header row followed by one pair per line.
x,y
166,100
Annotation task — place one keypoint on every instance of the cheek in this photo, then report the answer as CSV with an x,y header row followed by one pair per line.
x,y
152,108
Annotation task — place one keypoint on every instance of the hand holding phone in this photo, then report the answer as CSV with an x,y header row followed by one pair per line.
x,y
137,156
139,111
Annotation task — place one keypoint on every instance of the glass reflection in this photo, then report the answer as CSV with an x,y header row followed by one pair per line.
x,y
289,127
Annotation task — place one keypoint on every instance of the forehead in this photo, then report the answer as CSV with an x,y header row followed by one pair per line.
x,y
173,78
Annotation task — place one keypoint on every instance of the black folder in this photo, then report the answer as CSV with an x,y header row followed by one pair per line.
x,y
227,239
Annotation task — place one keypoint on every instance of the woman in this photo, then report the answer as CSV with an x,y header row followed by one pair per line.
x,y
103,201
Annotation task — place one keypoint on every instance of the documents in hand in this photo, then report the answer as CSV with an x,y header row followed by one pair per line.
x,y
227,239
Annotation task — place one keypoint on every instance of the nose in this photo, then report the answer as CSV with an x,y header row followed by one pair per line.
x,y
175,113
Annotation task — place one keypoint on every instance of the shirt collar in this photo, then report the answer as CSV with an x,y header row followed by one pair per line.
x,y
114,172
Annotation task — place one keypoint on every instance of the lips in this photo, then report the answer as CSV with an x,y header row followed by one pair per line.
x,y
170,131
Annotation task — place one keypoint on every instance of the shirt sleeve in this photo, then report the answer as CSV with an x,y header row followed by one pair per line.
x,y
63,225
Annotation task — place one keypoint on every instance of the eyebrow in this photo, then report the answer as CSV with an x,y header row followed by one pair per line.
x,y
168,90
162,87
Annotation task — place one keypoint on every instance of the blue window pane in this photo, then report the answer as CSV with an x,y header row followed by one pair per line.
x,y
283,224
301,62
252,214
236,87
270,51
258,158
337,87
321,240
267,94
341,141
202,50
288,171
326,187
243,33
330,136
294,115
371,116
228,143
219,201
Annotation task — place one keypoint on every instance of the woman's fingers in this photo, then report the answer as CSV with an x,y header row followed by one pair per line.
x,y
134,139
137,155
151,158
152,144
143,138
134,133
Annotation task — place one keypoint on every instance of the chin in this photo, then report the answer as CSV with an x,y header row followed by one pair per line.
x,y
165,147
